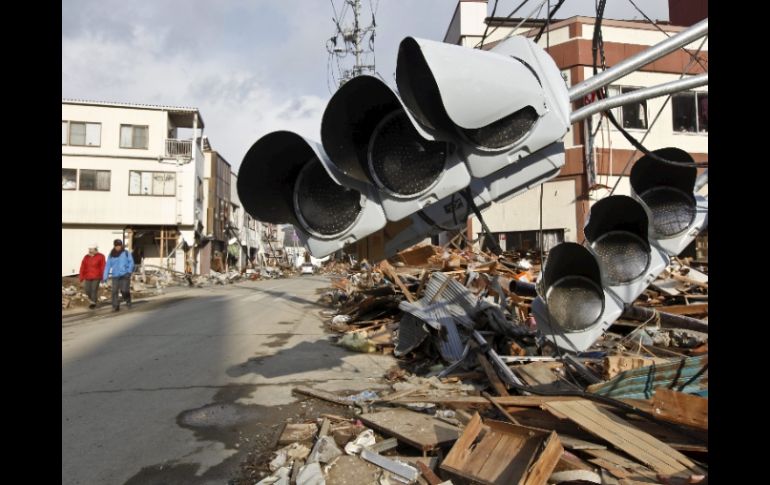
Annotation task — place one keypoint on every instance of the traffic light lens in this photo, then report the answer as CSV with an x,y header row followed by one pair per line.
x,y
324,206
503,132
623,256
575,302
400,160
673,211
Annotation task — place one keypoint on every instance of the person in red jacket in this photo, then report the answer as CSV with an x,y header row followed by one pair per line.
x,y
91,270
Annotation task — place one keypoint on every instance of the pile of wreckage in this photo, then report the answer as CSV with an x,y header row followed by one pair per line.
x,y
478,397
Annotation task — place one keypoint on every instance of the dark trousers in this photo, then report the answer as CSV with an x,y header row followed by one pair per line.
x,y
92,290
121,284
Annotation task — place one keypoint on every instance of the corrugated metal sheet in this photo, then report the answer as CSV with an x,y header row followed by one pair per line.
x,y
689,375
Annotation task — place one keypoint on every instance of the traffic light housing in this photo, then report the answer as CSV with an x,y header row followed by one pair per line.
x,y
497,107
629,241
373,139
287,179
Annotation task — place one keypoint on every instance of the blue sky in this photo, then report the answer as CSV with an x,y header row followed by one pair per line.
x,y
250,66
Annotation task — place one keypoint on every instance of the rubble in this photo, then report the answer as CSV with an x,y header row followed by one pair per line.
x,y
477,395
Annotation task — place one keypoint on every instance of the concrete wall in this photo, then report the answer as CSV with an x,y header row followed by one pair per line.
x,y
521,213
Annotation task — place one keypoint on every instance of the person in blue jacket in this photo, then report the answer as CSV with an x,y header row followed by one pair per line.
x,y
121,264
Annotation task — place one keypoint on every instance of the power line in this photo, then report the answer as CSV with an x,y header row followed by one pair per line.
x,y
353,39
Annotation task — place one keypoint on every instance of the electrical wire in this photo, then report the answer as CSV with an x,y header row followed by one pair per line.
x,y
598,47
548,20
501,22
486,29
696,59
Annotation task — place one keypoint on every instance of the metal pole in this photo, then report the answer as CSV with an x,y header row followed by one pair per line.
x,y
639,95
642,59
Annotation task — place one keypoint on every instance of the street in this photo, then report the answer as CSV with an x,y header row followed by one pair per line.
x,y
180,388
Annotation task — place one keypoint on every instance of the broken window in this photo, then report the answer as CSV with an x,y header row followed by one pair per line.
x,y
69,179
690,112
95,180
633,116
151,183
132,136
83,134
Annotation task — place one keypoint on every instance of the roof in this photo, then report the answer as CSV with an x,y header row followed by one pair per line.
x,y
156,107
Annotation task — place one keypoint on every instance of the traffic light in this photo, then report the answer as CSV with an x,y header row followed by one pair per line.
x,y
497,107
372,139
668,192
287,179
629,241
451,213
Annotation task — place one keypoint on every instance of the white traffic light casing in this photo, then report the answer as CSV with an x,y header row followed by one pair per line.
x,y
573,309
617,234
498,107
285,178
373,139
667,190
451,213
629,242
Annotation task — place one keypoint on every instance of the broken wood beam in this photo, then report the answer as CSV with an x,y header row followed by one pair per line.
x,y
667,320
494,379
323,395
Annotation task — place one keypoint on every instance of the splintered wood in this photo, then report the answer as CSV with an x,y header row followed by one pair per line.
x,y
681,408
505,454
644,447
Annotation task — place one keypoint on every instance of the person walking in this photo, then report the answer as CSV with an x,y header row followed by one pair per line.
x,y
91,270
121,264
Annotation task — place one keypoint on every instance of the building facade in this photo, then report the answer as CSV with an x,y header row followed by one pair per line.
x,y
132,172
597,155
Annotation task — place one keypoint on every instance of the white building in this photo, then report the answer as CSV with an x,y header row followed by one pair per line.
x,y
129,171
589,172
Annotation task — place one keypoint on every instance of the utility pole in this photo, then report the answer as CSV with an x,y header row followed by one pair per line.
x,y
350,39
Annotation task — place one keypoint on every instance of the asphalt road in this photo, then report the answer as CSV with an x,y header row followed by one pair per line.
x,y
180,389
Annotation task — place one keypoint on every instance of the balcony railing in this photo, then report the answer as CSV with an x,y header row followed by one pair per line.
x,y
178,148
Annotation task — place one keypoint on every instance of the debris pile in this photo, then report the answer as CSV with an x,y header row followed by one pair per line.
x,y
478,396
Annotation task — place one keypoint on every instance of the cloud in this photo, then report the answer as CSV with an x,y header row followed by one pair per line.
x,y
237,106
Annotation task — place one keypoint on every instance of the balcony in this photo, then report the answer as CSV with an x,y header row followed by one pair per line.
x,y
178,148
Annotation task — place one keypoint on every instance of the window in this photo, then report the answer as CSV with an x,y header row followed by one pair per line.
x,y
132,136
690,113
199,192
69,179
94,180
631,116
152,183
82,134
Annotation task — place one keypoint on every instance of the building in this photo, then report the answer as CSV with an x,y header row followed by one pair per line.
x,y
246,243
596,162
131,172
217,175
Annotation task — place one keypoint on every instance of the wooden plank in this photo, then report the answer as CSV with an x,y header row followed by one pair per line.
x,y
543,468
428,474
326,396
419,430
494,379
500,408
390,272
293,432
540,375
621,434
694,309
524,401
506,454
681,408
461,450
620,466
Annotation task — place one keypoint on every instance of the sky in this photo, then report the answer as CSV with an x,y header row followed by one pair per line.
x,y
249,66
